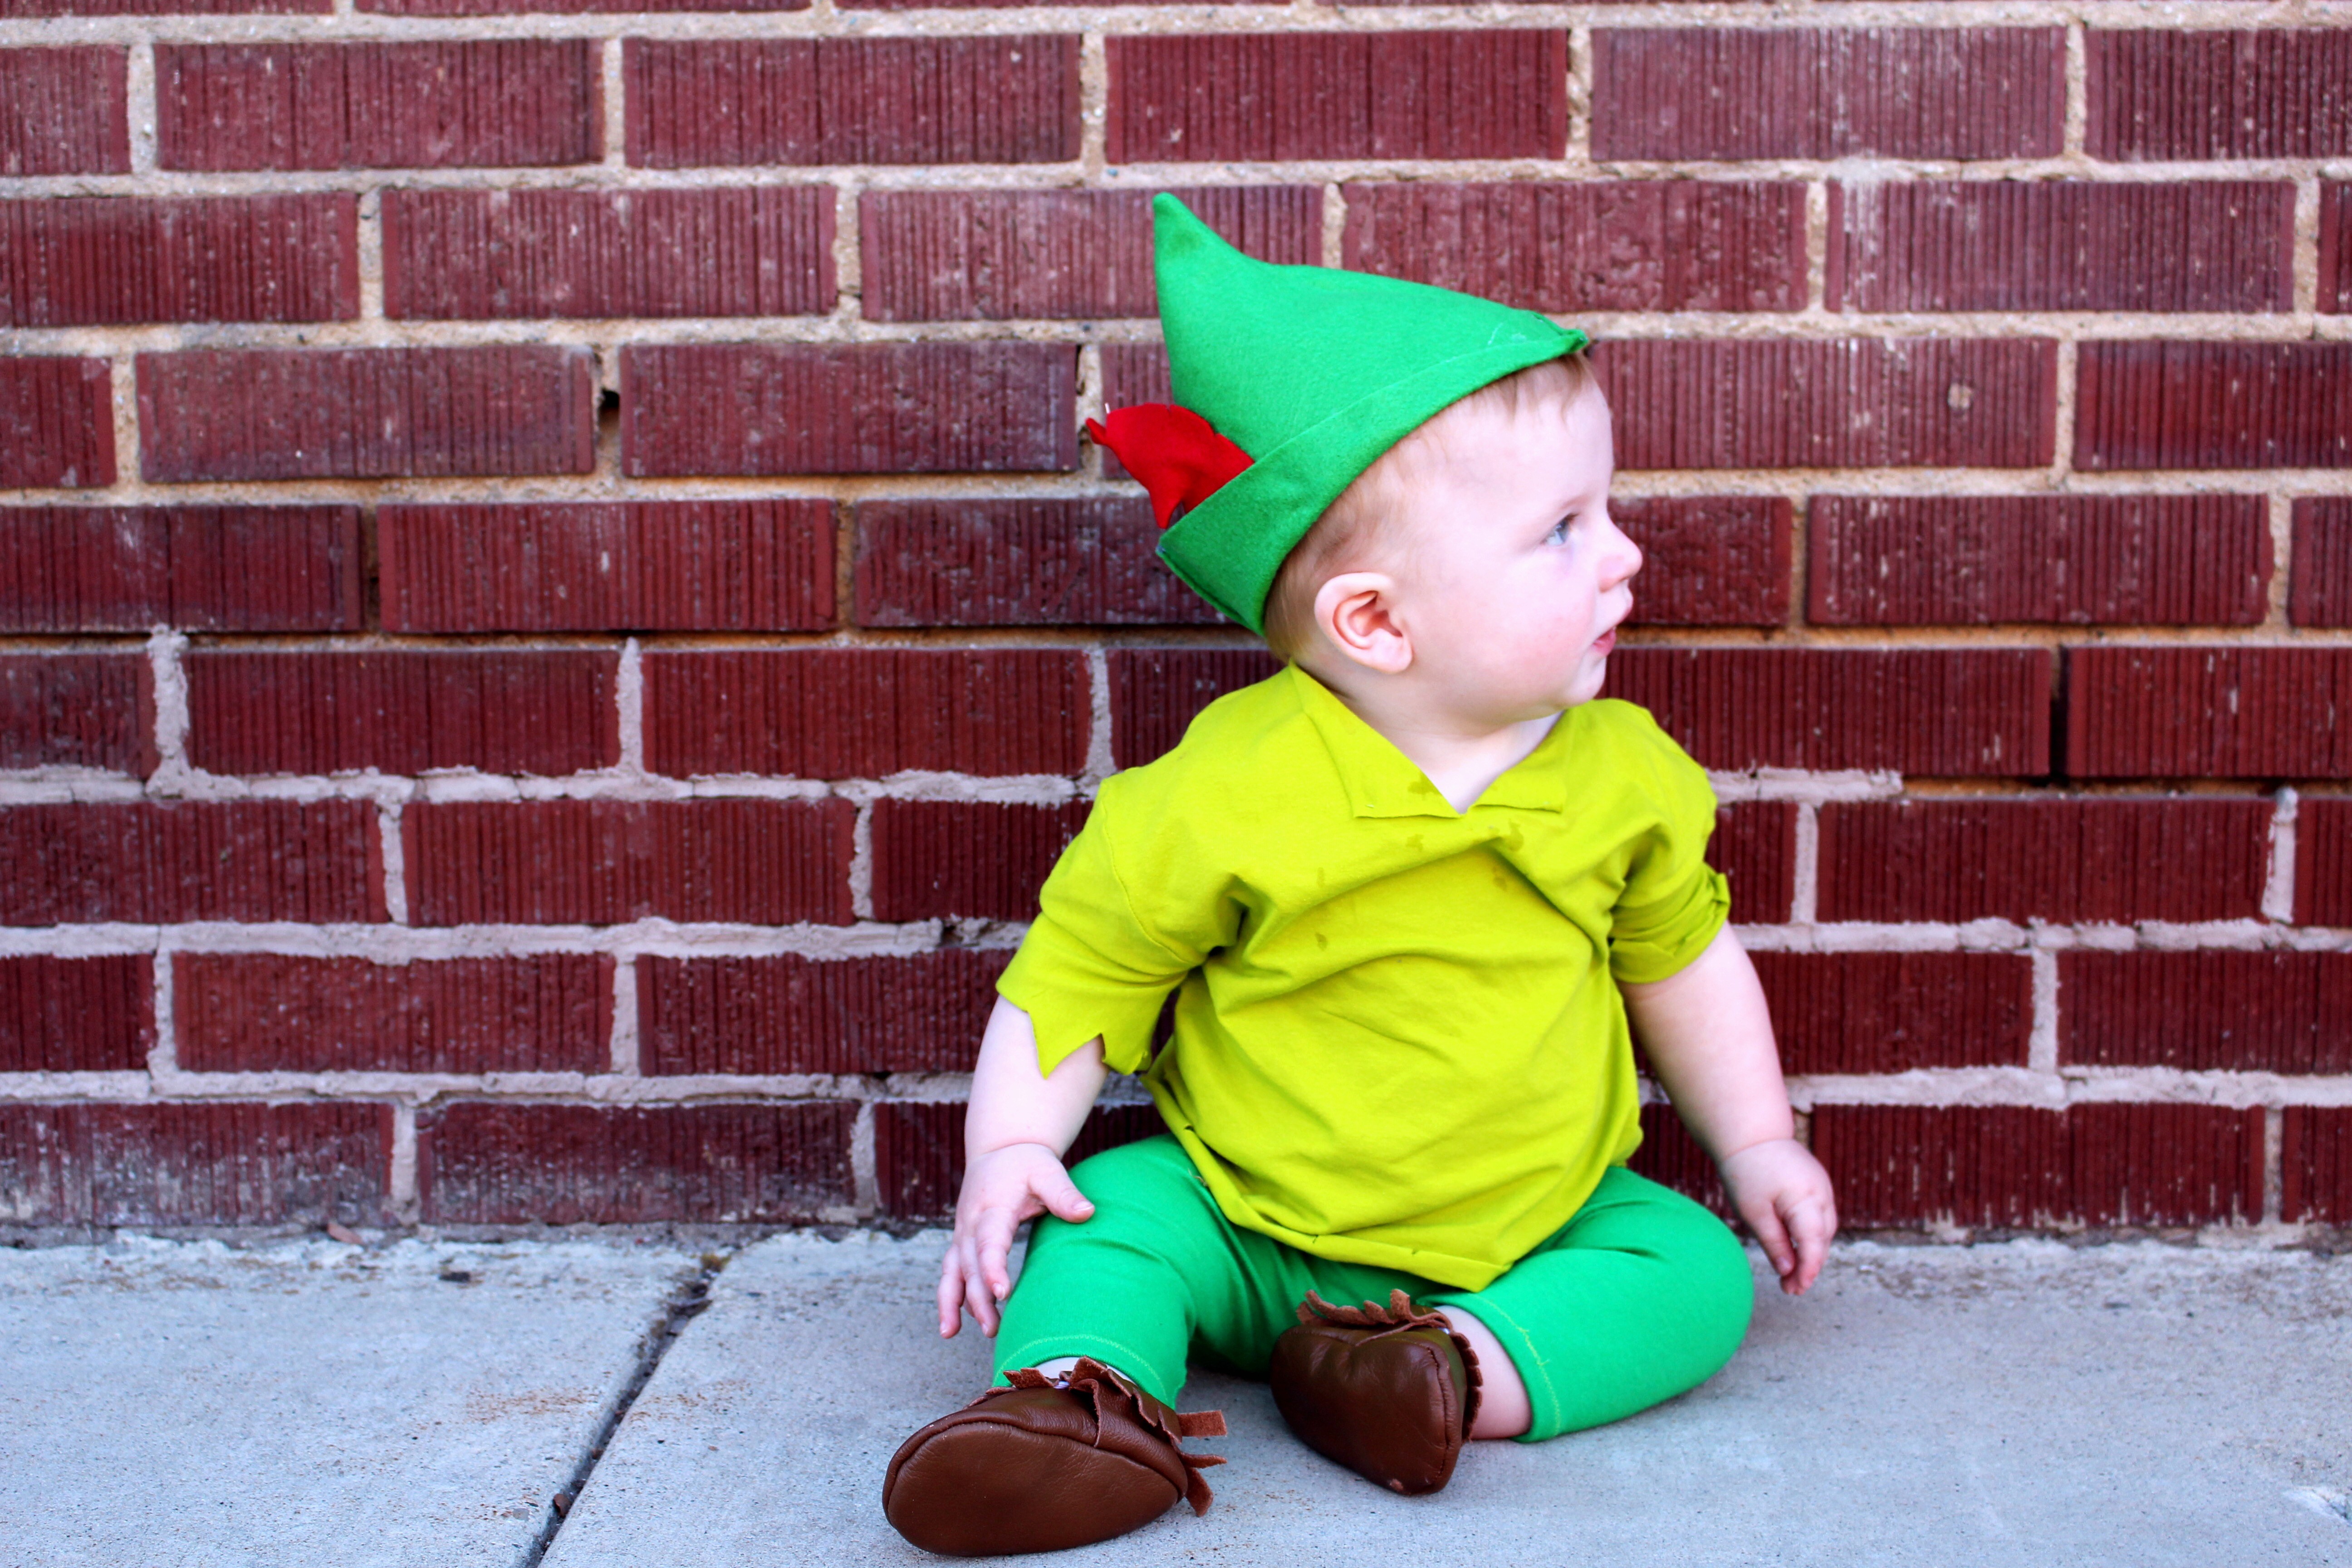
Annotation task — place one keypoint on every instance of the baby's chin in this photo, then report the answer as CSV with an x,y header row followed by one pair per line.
x,y
1573,692
1589,681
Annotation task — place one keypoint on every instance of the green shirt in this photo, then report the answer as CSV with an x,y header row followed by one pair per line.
x,y
1397,1040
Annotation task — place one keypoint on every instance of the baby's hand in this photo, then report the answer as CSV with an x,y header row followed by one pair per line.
x,y
1783,1194
1000,1189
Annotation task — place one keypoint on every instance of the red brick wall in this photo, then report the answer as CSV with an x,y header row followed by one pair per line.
x,y
554,609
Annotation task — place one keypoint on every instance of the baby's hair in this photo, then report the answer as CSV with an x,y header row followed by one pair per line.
x,y
1364,524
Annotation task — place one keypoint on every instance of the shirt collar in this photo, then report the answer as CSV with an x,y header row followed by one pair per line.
x,y
1381,781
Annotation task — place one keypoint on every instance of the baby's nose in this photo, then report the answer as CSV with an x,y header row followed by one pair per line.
x,y
1625,557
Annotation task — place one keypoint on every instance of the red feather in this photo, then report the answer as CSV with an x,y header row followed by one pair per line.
x,y
1180,460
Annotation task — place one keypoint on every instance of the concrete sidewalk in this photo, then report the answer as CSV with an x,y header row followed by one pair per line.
x,y
423,1403
188,1404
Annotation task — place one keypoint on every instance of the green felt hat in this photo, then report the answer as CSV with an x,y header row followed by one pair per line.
x,y
1314,372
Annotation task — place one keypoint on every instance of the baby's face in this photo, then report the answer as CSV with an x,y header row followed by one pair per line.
x,y
1514,577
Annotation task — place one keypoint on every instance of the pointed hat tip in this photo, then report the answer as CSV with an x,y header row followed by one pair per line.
x,y
1176,229
1168,208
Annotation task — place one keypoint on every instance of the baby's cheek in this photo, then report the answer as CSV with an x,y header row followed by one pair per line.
x,y
1573,619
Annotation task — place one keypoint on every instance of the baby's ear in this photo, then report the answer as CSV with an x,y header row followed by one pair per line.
x,y
1356,612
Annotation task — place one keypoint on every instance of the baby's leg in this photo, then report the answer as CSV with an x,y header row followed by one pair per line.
x,y
1073,1452
1503,1408
1642,1295
1131,1286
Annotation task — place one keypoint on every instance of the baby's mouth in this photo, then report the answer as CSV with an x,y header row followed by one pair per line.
x,y
1604,642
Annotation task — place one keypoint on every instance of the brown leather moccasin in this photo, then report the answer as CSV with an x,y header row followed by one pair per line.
x,y
1389,1392
1048,1463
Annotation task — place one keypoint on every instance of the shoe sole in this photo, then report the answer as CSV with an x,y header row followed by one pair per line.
x,y
1015,1491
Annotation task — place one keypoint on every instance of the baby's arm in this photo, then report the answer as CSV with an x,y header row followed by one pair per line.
x,y
1710,1039
1019,1123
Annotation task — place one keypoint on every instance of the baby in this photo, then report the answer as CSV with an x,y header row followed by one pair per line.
x,y
1416,895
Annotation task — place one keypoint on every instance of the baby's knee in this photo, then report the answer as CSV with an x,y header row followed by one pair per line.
x,y
1700,1279
1713,1277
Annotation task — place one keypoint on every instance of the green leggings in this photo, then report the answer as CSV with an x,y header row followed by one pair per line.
x,y
1639,1296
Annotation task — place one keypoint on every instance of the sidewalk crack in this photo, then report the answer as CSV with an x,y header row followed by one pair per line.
x,y
689,1299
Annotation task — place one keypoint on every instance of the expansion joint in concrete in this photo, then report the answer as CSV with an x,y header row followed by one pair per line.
x,y
687,1300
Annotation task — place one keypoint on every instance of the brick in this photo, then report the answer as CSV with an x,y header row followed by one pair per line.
x,y
974,4
1134,372
742,251
1967,1165
994,99
793,1015
919,1157
503,103
266,1012
936,859
2097,1164
687,565
78,709
1277,97
2061,245
1591,244
257,860
949,256
1827,93
1938,712
77,1015
485,1163
105,261
268,413
56,423
2315,1164
573,8
2106,860
2213,405
1709,560
1896,1012
2206,1011
602,862
1016,561
64,112
1755,846
402,711
2166,1164
2068,560
2166,95
1904,403
919,1150
15,9
219,1162
2323,862
841,713
2334,248
1670,1156
1154,692
199,568
849,408
2209,713
2320,592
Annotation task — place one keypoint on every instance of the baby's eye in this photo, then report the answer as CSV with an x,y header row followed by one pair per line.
x,y
1559,534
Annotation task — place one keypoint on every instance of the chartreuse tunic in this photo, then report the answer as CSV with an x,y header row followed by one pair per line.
x,y
1400,1053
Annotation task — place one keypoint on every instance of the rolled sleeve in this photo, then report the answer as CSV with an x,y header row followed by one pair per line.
x,y
1674,902
1654,940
